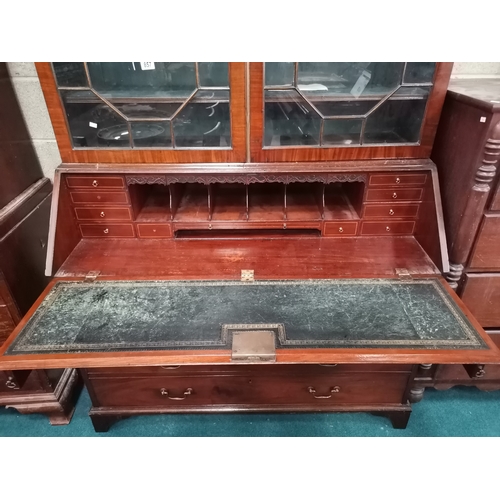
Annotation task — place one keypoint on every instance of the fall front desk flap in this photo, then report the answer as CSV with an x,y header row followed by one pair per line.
x,y
113,316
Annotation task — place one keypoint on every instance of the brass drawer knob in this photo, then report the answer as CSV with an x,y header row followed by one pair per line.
x,y
10,384
387,228
106,231
391,212
341,230
186,393
95,183
394,195
333,390
102,214
398,180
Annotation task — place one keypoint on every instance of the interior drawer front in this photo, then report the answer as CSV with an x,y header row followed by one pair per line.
x,y
387,228
99,197
103,213
355,388
97,182
107,230
487,251
340,229
395,210
409,194
398,179
154,230
481,294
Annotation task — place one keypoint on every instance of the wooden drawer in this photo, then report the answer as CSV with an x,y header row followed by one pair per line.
x,y
495,201
154,230
97,182
481,294
196,391
401,210
397,194
387,228
107,230
397,179
103,213
341,228
486,254
99,197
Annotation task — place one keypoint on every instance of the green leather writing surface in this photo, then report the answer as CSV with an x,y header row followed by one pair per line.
x,y
111,316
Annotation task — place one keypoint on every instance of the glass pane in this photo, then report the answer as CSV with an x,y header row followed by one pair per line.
x,y
342,131
279,73
213,74
70,74
162,79
93,123
353,79
140,110
397,120
151,134
343,108
289,120
204,122
419,72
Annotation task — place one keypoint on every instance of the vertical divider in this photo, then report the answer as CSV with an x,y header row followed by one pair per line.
x,y
322,201
284,203
210,201
247,202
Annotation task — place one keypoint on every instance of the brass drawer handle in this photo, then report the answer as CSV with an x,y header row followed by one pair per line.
x,y
95,183
102,214
388,229
186,393
333,390
10,384
173,367
398,180
336,364
341,230
394,195
106,231
391,212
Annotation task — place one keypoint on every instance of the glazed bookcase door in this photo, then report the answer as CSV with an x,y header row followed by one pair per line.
x,y
341,111
146,112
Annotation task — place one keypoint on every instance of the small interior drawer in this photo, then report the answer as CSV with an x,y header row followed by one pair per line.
x,y
395,210
154,230
103,213
97,182
387,228
99,197
107,230
338,229
397,179
396,194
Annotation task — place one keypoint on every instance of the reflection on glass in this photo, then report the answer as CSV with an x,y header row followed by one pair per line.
x,y
70,74
159,79
343,108
354,79
419,72
289,120
395,121
346,132
141,110
204,122
279,73
151,134
93,123
213,74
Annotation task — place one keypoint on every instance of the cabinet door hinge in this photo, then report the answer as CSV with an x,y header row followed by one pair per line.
x,y
247,275
403,274
91,276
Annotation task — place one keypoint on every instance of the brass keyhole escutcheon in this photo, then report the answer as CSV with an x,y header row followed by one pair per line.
x,y
95,183
391,212
394,195
341,230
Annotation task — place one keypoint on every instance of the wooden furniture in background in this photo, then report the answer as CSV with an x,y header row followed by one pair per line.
x,y
25,197
467,153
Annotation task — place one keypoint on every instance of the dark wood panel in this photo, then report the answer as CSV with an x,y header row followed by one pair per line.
x,y
144,156
6,323
495,201
486,254
95,182
99,197
395,210
481,294
339,229
387,228
103,213
397,179
107,230
154,230
396,194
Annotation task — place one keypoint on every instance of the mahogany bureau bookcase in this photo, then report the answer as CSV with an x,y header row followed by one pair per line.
x,y
246,237
25,197
467,152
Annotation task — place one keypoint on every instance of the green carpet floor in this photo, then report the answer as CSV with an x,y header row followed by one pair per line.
x,y
459,411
